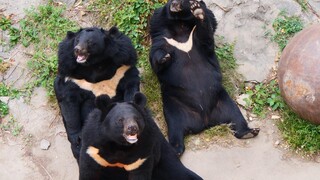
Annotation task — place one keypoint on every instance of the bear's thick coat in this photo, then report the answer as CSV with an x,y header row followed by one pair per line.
x,y
183,57
93,62
121,141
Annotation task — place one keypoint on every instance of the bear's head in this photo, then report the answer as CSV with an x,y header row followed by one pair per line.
x,y
122,122
88,44
176,6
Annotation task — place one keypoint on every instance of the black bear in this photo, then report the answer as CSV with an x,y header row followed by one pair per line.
x,y
122,141
93,62
183,57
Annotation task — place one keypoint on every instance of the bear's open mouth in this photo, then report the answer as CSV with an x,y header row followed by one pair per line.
x,y
131,138
82,58
175,7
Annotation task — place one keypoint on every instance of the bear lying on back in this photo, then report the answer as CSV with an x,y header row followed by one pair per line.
x,y
93,62
183,57
121,141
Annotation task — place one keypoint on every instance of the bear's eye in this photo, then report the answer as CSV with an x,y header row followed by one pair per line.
x,y
120,121
91,44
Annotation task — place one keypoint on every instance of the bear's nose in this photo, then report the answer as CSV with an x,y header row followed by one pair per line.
x,y
132,130
77,49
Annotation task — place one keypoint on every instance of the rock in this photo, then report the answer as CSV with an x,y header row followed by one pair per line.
x,y
275,117
241,99
277,143
5,99
44,144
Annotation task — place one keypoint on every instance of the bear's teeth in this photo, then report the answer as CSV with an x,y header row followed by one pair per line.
x,y
81,59
131,138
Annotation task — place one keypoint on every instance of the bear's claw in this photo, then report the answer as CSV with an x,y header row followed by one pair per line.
x,y
166,58
196,9
253,133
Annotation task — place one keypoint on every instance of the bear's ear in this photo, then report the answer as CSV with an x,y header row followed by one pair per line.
x,y
140,99
70,34
102,102
113,30
102,30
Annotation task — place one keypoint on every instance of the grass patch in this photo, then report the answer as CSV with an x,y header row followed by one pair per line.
x,y
220,131
263,96
303,4
11,126
6,25
4,109
285,27
45,27
6,91
300,134
231,78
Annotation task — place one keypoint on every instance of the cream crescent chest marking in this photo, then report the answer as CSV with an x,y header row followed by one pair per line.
x,y
107,87
183,46
93,153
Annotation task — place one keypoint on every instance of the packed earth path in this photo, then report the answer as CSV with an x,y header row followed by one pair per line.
x,y
42,151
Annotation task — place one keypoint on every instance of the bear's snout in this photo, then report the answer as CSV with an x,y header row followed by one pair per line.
x,y
175,6
79,50
81,54
133,129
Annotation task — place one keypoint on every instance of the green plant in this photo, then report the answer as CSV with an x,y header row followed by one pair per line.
x,y
45,27
221,130
4,109
9,92
228,65
131,17
285,27
6,25
264,95
11,125
300,134
303,4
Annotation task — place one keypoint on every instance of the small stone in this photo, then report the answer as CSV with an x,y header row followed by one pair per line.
x,y
5,99
253,115
275,117
44,144
277,143
241,99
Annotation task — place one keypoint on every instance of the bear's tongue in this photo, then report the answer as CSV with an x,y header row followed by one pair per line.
x,y
131,138
81,58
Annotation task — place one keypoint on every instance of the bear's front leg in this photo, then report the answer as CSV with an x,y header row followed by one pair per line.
x,y
196,9
160,59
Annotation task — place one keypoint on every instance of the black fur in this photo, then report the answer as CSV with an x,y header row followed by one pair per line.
x,y
106,51
104,130
192,94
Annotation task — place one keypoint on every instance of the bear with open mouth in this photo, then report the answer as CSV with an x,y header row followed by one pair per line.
x,y
93,62
122,141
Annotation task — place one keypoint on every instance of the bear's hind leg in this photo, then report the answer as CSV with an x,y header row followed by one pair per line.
x,y
227,112
175,123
